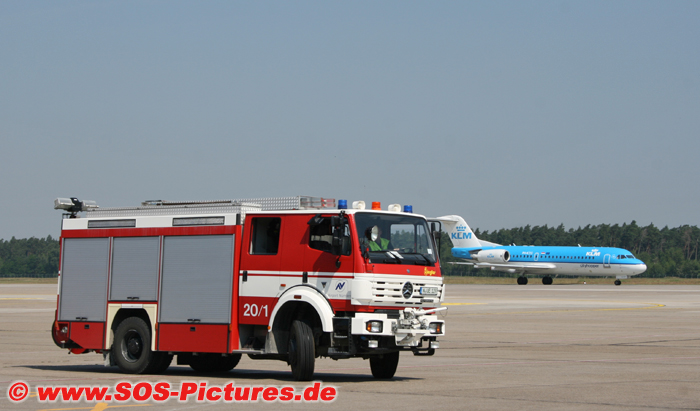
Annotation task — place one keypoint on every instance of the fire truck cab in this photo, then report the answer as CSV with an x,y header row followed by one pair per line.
x,y
290,278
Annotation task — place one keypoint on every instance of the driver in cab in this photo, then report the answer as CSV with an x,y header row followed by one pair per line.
x,y
376,242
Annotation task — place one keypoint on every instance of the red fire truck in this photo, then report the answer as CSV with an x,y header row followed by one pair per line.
x,y
290,278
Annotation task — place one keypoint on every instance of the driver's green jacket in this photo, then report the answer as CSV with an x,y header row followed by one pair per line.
x,y
373,246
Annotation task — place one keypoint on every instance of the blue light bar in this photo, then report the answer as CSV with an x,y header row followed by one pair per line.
x,y
342,204
407,209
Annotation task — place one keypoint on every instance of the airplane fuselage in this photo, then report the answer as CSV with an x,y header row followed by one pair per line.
x,y
584,261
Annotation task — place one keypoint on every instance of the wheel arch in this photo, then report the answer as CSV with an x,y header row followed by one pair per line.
x,y
308,295
117,314
298,303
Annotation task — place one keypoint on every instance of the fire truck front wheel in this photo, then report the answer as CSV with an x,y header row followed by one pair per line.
x,y
214,362
384,366
301,351
132,347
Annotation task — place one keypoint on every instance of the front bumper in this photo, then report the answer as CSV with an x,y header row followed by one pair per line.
x,y
407,331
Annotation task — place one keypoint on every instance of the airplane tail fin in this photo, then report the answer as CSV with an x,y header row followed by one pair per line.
x,y
459,232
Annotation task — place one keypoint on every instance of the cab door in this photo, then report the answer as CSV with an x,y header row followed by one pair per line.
x,y
326,271
259,279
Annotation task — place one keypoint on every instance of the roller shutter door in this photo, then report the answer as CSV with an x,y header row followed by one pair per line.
x,y
135,269
84,269
196,279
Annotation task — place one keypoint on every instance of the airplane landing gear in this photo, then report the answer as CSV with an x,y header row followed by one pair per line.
x,y
547,280
618,282
522,280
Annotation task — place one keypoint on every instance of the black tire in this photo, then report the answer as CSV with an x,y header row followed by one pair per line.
x,y
547,280
214,362
161,363
302,352
618,282
522,280
384,366
230,362
132,347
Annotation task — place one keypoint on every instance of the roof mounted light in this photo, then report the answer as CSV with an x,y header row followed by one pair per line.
x,y
394,208
408,209
376,205
73,205
358,205
342,204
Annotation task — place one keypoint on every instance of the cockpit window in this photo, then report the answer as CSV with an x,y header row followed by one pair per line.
x,y
630,256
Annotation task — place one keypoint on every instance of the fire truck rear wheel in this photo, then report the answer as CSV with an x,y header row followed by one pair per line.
x,y
301,351
214,362
161,362
132,346
384,366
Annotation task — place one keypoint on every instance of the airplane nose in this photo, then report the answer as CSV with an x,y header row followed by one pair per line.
x,y
641,268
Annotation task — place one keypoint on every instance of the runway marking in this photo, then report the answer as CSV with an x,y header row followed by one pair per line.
x,y
608,338
464,303
613,360
650,305
497,363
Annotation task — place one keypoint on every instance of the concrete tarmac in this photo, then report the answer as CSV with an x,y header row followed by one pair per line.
x,y
508,347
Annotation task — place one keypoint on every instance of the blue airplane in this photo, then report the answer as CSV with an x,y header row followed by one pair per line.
x,y
540,260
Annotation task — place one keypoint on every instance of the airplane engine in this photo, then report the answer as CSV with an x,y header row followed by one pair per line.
x,y
492,256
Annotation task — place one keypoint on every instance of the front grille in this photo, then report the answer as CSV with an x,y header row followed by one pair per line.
x,y
388,291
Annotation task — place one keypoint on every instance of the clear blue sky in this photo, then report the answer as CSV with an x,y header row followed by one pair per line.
x,y
507,113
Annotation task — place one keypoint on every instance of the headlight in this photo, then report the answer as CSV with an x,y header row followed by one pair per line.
x,y
435,328
374,326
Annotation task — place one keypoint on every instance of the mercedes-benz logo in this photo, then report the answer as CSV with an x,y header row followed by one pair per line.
x,y
407,290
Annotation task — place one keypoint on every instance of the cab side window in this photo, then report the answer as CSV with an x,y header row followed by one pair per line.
x,y
266,235
321,236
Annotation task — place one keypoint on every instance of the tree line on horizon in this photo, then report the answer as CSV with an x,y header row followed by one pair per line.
x,y
667,252
35,257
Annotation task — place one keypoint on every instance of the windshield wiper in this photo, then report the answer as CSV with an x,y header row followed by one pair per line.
x,y
427,261
396,255
415,260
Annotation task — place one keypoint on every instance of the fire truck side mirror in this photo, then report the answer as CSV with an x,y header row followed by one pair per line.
x,y
336,221
337,245
437,236
341,242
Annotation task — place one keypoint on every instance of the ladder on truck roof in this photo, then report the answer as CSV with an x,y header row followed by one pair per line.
x,y
240,206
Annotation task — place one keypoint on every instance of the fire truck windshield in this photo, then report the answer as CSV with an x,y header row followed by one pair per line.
x,y
395,239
